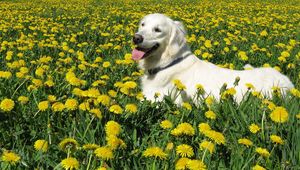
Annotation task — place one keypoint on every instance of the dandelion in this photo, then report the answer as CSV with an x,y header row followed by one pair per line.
x,y
217,137
170,146
43,105
276,139
262,151
103,99
132,108
187,106
96,112
210,115
58,107
178,84
116,109
71,104
104,153
245,142
23,99
166,124
68,143
279,115
7,105
113,142
90,146
182,163
41,145
155,152
207,145
254,128
70,163
196,165
184,150
10,157
183,129
112,128
204,127
258,167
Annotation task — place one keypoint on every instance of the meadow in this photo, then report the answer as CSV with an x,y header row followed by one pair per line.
x,y
70,96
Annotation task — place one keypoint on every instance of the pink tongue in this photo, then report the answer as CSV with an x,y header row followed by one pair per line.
x,y
136,54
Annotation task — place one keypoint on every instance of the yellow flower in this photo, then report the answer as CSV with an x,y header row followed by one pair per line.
x,y
263,33
23,99
70,163
155,152
254,128
112,128
242,55
276,139
170,146
184,150
262,151
179,85
112,93
207,44
209,101
217,137
245,141
131,108
71,104
196,165
104,153
181,163
103,99
298,116
7,105
187,105
210,115
106,64
43,105
96,112
10,157
68,143
279,115
183,129
41,145
204,127
166,124
57,107
90,146
207,145
116,109
257,167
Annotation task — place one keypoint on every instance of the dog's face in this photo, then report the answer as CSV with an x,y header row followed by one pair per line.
x,y
156,35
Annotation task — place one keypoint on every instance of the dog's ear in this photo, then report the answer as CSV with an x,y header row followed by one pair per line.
x,y
177,38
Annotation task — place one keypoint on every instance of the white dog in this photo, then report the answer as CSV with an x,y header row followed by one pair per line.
x,y
163,53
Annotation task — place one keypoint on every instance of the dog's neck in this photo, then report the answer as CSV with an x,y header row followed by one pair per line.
x,y
157,62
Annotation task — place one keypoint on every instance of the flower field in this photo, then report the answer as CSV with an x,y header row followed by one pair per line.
x,y
70,96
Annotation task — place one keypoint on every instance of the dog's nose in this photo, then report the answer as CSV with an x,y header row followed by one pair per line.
x,y
137,39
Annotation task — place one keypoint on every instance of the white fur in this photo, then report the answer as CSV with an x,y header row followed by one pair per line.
x,y
192,70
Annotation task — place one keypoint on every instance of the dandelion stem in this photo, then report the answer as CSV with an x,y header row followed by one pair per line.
x,y
203,156
248,161
18,88
262,126
88,126
89,163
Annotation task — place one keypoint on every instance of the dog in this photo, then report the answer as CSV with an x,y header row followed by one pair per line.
x,y
162,52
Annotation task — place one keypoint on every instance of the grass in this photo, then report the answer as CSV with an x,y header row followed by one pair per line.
x,y
44,42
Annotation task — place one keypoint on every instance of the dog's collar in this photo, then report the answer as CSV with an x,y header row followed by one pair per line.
x,y
154,71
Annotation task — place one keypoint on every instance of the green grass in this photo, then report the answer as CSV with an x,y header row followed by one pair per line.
x,y
47,25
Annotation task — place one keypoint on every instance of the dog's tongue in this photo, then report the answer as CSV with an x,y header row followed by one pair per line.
x,y
137,55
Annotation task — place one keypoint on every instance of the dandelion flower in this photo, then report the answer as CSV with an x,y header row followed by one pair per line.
x,y
41,145
23,99
276,139
170,146
245,142
217,137
68,143
181,163
262,151
58,107
116,109
10,157
207,145
183,129
166,124
112,128
70,163
104,153
90,146
254,128
178,84
210,115
187,106
71,104
196,165
7,105
132,108
279,115
258,167
96,112
43,105
184,150
204,127
155,152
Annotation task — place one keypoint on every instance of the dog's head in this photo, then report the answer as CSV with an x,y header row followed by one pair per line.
x,y
158,38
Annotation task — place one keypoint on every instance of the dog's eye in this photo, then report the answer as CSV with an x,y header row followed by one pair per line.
x,y
156,29
143,24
